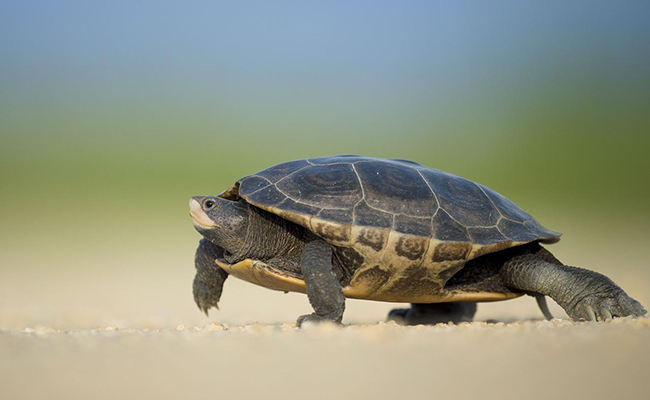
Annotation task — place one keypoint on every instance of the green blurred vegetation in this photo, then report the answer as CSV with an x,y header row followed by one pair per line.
x,y
578,154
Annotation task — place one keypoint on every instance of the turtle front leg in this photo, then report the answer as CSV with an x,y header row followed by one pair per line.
x,y
583,294
323,288
209,279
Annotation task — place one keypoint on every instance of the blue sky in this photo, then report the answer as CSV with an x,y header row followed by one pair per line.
x,y
363,66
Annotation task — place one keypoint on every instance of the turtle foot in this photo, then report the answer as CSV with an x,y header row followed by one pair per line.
x,y
398,315
431,314
604,306
314,318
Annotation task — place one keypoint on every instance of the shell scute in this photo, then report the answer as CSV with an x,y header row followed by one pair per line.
x,y
252,184
323,186
371,279
486,236
267,197
462,199
542,233
505,206
334,225
396,189
296,212
411,247
281,171
515,231
336,215
364,215
336,233
375,238
416,281
447,229
451,251
412,226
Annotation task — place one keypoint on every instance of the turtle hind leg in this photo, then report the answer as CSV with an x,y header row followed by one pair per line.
x,y
435,313
583,294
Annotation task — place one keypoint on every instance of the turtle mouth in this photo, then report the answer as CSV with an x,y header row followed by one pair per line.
x,y
199,218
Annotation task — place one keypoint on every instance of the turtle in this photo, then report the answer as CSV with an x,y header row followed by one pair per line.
x,y
386,230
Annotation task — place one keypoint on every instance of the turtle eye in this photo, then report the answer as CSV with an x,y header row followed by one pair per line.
x,y
208,204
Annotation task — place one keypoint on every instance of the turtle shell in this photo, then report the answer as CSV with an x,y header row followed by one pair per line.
x,y
404,229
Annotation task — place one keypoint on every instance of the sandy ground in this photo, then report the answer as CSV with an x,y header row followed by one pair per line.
x,y
124,326
531,359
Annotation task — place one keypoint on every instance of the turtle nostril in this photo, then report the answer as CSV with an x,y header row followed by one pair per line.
x,y
208,204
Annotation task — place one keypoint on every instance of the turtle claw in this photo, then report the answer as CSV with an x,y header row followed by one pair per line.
x,y
201,304
308,319
313,319
606,306
590,313
206,308
203,299
607,314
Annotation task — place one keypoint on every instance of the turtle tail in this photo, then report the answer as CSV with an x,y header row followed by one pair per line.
x,y
541,303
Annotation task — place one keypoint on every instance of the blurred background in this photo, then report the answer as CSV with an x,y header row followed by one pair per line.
x,y
112,114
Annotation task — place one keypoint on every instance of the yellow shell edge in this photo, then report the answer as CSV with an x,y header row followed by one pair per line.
x,y
262,274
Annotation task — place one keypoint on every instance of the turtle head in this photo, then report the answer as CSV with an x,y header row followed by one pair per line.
x,y
223,222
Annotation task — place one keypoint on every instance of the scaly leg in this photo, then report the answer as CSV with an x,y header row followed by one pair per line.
x,y
323,288
583,294
209,279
